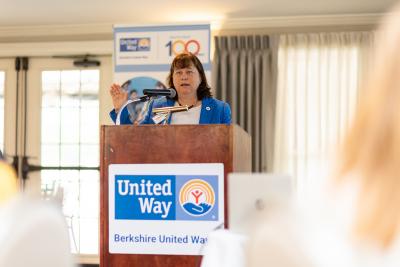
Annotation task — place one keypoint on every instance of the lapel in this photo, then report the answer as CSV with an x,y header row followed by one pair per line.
x,y
207,108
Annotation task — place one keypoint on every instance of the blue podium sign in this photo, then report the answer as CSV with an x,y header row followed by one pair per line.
x,y
164,208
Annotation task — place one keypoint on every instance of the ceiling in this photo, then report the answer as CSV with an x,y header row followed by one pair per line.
x,y
58,12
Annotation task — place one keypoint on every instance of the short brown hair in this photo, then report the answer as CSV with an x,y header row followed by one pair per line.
x,y
185,60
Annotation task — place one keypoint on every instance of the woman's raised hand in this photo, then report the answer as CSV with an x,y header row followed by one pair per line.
x,y
118,95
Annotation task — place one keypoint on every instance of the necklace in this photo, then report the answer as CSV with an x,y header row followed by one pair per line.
x,y
191,106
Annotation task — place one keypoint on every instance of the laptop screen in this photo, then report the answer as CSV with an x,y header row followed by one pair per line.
x,y
252,195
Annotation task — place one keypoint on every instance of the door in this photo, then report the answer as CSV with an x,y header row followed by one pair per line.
x,y
58,130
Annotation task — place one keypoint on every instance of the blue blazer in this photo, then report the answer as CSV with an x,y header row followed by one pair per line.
x,y
213,111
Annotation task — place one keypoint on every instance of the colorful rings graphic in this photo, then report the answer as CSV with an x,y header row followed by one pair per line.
x,y
179,46
197,197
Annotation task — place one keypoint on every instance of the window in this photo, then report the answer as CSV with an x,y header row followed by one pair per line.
x,y
2,85
70,140
318,86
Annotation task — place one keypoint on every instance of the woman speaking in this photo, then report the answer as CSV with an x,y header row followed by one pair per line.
x,y
187,77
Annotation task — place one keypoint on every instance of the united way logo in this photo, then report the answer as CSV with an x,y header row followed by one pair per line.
x,y
166,197
145,197
134,44
197,197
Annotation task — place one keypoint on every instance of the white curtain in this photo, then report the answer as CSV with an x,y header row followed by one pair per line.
x,y
319,79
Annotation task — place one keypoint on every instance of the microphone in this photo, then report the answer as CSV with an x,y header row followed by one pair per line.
x,y
171,93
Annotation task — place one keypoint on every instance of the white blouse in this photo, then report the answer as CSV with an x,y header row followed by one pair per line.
x,y
192,116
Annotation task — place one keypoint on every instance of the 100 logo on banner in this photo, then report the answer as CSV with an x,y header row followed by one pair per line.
x,y
179,46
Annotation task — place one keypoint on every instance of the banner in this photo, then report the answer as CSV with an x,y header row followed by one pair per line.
x,y
142,55
164,208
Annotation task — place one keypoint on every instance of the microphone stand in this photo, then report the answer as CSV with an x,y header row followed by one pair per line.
x,y
144,98
158,111
139,99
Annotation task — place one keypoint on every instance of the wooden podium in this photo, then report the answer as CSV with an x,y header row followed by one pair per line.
x,y
227,144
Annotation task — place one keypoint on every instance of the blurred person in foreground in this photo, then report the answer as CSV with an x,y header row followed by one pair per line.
x,y
32,232
358,221
188,78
